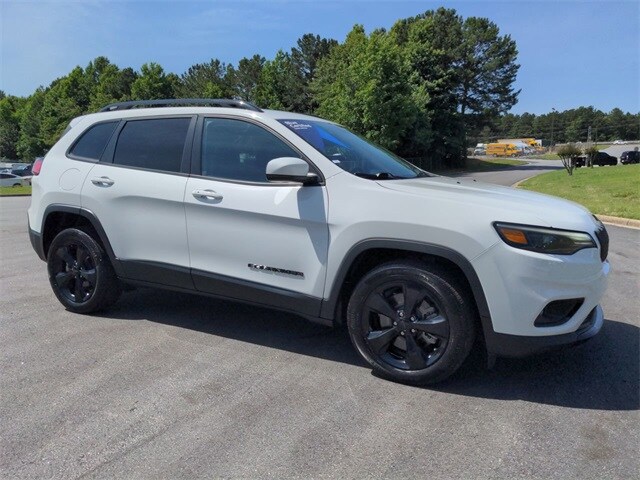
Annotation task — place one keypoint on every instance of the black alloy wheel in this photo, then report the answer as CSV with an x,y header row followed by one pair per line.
x,y
403,325
80,272
74,272
414,322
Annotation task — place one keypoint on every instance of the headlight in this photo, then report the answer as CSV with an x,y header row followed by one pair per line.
x,y
543,240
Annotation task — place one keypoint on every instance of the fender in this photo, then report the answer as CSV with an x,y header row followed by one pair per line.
x,y
329,304
93,221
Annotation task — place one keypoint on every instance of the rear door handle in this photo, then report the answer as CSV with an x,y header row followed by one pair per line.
x,y
102,181
210,194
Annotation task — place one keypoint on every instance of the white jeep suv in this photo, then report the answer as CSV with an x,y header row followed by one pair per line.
x,y
219,197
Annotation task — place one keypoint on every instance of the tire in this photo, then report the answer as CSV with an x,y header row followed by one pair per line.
x,y
423,345
80,272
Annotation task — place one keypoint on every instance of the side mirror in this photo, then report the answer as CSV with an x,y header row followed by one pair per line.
x,y
290,169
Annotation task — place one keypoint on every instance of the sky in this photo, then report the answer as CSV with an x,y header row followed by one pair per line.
x,y
572,53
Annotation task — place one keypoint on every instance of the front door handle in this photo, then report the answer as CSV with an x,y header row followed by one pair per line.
x,y
210,194
102,181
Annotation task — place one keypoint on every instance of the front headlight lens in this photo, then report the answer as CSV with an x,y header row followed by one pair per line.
x,y
543,240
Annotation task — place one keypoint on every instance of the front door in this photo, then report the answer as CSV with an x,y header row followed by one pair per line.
x,y
250,239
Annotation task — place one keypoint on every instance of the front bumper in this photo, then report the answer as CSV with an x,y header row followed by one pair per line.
x,y
505,345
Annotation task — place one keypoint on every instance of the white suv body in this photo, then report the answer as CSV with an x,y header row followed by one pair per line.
x,y
303,247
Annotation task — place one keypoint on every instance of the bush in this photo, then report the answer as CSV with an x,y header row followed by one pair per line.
x,y
567,153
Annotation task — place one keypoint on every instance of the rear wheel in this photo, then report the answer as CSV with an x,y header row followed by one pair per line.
x,y
411,321
80,272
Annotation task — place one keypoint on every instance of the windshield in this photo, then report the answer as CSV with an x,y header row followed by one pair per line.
x,y
352,152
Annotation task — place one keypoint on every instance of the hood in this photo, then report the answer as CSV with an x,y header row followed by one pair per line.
x,y
509,204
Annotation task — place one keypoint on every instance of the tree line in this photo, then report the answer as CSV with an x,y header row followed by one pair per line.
x,y
425,88
568,126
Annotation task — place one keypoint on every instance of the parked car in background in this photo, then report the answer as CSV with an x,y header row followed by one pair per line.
x,y
22,170
601,160
632,156
479,151
11,180
619,142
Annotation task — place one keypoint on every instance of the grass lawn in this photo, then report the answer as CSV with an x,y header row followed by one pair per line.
x,y
606,190
15,191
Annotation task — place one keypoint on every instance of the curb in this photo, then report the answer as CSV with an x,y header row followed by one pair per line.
x,y
517,184
16,195
620,222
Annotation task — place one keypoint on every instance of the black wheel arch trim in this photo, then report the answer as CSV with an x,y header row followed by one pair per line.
x,y
329,305
93,221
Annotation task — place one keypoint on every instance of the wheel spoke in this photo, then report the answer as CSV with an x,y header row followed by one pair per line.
x,y
414,358
412,297
379,340
437,326
78,290
63,279
89,276
81,256
379,304
64,254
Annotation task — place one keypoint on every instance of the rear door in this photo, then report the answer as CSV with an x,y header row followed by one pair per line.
x,y
251,239
137,192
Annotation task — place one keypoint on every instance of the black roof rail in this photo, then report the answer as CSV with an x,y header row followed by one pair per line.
x,y
181,102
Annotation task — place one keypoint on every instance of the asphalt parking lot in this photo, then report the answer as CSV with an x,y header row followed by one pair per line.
x,y
167,385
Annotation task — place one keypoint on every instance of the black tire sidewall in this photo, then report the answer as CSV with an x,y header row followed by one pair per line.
x,y
106,289
450,300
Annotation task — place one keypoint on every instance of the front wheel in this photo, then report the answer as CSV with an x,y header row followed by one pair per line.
x,y
80,272
412,322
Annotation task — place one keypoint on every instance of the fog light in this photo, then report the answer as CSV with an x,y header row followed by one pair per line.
x,y
558,312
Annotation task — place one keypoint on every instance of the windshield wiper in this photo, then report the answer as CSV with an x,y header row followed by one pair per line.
x,y
378,176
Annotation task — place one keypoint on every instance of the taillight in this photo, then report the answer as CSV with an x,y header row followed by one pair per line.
x,y
37,166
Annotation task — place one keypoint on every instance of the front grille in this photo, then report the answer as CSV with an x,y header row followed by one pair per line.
x,y
603,238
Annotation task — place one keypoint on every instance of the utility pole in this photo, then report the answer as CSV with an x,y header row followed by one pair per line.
x,y
553,119
590,154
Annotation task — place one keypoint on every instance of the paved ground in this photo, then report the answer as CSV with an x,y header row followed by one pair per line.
x,y
510,175
616,150
175,386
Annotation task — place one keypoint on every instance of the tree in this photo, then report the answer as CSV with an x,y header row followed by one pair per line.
x,y
591,153
567,153
108,83
10,125
488,69
306,56
30,145
67,98
245,79
430,43
280,86
153,83
205,80
362,85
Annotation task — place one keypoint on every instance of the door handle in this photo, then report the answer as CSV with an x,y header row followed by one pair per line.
x,y
210,194
102,181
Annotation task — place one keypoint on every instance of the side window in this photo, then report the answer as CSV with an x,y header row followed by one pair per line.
x,y
155,144
239,150
92,143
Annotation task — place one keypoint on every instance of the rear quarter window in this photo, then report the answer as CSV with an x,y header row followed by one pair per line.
x,y
92,142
